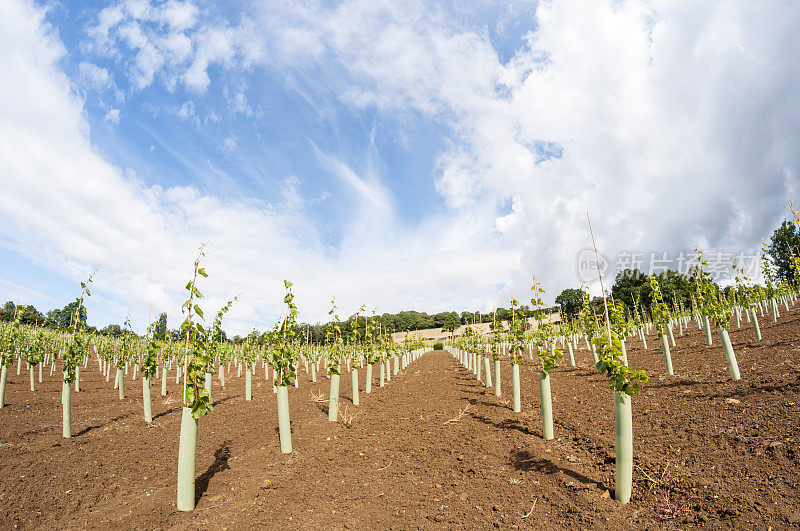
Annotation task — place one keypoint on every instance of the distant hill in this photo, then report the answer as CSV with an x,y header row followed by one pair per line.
x,y
439,334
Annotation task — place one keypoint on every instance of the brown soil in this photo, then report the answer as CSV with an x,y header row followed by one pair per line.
x,y
709,452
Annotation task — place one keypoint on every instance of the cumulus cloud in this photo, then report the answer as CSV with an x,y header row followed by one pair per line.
x,y
112,116
671,123
167,39
141,238
95,76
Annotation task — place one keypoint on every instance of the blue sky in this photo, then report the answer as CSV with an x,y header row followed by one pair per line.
x,y
398,156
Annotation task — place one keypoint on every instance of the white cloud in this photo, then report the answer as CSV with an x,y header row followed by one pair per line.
x,y
675,121
676,124
112,116
142,238
157,34
94,76
186,111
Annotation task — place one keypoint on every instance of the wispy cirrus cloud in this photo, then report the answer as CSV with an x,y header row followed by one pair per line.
x,y
673,124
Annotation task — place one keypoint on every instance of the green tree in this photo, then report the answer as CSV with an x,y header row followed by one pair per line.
x,y
28,315
631,284
61,318
113,330
7,312
570,300
446,320
784,241
160,330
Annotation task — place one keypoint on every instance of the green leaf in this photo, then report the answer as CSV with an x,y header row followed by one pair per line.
x,y
202,272
198,311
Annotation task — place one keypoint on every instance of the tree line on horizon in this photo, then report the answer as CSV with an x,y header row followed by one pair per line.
x,y
629,285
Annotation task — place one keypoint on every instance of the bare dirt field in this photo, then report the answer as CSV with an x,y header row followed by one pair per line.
x,y
432,449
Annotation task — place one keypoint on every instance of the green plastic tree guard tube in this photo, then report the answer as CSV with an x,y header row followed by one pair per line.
x,y
496,377
248,385
671,336
517,405
164,382
478,366
388,370
707,328
30,370
754,321
382,378
66,410
77,378
3,378
187,452
121,377
594,353
667,356
284,424
333,401
368,386
730,356
208,384
314,372
547,406
222,374
148,412
571,354
624,461
774,307
624,352
487,371
40,372
19,365
354,378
